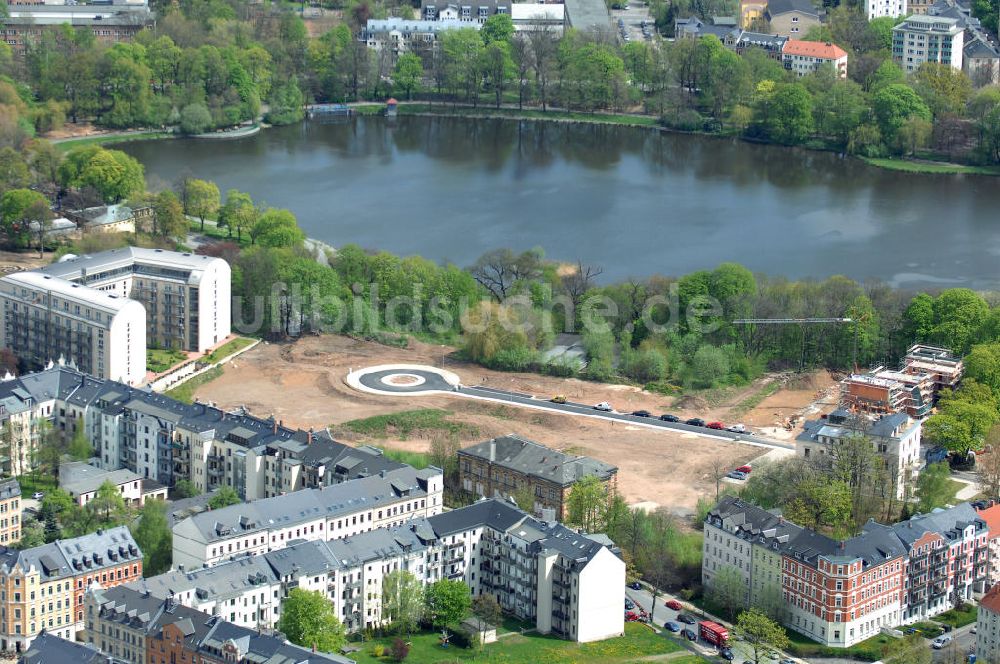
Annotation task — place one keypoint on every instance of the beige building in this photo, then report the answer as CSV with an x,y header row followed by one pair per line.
x,y
112,218
791,18
509,465
10,512
47,318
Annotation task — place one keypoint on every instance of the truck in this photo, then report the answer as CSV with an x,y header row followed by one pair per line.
x,y
713,632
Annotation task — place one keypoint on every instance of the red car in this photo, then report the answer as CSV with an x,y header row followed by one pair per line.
x,y
715,425
745,469
673,604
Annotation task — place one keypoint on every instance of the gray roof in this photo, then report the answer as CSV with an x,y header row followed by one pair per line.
x,y
128,607
841,424
536,460
104,548
77,267
9,489
948,522
588,16
257,647
214,583
778,7
305,558
50,649
977,48
78,478
304,505
754,523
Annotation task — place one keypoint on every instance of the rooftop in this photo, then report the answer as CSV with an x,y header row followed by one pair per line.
x,y
991,600
78,478
76,292
778,7
48,649
536,460
826,51
588,16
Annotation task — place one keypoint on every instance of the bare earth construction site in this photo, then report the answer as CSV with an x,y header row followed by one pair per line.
x,y
302,383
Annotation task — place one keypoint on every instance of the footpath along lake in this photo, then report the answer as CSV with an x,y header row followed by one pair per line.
x,y
634,201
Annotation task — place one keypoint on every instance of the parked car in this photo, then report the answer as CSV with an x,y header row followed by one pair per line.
x,y
727,654
635,585
670,418
642,413
718,426
737,475
687,619
973,630
745,469
695,422
941,641
629,604
690,635
38,495
737,428
673,604
631,616
672,626
604,407
787,660
558,399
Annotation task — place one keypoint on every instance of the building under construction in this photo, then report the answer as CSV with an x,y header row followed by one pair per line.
x,y
913,389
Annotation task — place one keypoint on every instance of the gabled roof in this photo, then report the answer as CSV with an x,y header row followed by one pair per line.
x,y
50,649
991,600
536,460
949,523
811,49
779,7
219,583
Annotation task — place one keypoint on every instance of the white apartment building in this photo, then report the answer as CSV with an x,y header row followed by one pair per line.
x,y
924,38
896,438
341,510
885,8
805,57
187,297
565,582
82,482
47,318
988,627
400,35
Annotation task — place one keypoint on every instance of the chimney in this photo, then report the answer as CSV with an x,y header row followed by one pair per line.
x,y
275,427
309,438
493,449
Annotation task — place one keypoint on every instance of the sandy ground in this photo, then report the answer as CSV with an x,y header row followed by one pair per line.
x,y
11,261
301,383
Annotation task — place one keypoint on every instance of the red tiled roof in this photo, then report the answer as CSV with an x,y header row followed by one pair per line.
x,y
991,515
813,49
991,600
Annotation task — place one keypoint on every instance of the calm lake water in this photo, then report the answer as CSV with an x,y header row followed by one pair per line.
x,y
634,201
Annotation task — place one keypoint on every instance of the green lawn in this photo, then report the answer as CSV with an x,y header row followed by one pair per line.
x,y
526,114
418,460
185,391
639,641
43,483
958,618
161,359
930,168
875,648
690,659
71,143
227,349
407,422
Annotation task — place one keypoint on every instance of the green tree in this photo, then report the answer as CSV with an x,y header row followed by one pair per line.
x,y
14,171
168,215
155,539
587,503
276,228
402,600
764,637
497,28
195,118
839,110
498,65
893,105
239,213
709,365
727,591
113,174
80,448
108,506
408,73
787,116
487,612
201,199
960,427
943,88
223,498
185,489
934,488
18,209
821,503
959,315
307,619
287,103
447,602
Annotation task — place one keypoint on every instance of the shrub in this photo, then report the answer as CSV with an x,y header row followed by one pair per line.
x,y
464,638
645,366
378,650
519,358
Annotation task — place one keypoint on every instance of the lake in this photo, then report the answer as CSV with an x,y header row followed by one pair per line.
x,y
633,201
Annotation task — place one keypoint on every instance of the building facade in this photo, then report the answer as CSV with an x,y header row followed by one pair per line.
x,y
988,627
806,57
474,12
82,481
896,438
925,38
841,592
501,467
791,18
10,512
43,587
887,8
110,23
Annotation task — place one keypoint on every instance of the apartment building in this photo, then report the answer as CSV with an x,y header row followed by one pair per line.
x,y
245,591
474,12
944,367
988,627
912,389
841,592
110,23
925,38
791,18
46,318
44,586
18,422
48,648
895,437
119,620
806,57
948,560
82,481
990,513
186,297
116,218
337,511
10,512
886,8
500,467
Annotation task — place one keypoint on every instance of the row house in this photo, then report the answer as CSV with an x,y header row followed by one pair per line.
x,y
896,438
10,512
502,466
841,592
42,588
341,510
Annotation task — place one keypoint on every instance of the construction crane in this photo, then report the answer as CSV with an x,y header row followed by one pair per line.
x,y
800,322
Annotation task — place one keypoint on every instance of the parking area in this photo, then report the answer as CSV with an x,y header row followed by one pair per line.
x,y
633,21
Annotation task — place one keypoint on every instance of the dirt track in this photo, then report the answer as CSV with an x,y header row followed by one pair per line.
x,y
302,384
